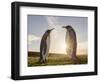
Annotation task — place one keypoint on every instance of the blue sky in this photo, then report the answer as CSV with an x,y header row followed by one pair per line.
x,y
38,24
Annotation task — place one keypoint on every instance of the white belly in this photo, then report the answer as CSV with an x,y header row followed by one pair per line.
x,y
48,43
71,43
48,46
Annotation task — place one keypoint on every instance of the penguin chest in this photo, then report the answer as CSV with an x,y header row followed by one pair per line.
x,y
48,43
71,40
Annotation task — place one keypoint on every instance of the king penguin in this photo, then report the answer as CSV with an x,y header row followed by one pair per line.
x,y
44,46
71,43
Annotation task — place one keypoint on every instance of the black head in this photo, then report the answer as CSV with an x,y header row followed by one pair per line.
x,y
67,27
48,31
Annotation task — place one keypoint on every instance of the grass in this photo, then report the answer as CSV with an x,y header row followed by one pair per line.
x,y
54,59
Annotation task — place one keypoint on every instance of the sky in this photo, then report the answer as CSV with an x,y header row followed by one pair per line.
x,y
38,24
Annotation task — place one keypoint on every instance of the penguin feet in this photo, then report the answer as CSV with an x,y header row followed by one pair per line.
x,y
45,60
75,60
42,61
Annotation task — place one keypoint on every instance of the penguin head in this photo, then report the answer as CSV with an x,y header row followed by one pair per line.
x,y
49,30
68,27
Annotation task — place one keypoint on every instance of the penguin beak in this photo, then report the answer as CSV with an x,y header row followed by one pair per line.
x,y
52,29
63,26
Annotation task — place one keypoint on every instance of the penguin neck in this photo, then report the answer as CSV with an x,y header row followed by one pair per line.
x,y
47,35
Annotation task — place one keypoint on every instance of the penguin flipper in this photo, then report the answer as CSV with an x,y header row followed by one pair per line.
x,y
44,50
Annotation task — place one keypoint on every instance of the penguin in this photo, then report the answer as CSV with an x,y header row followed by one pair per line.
x,y
44,46
71,43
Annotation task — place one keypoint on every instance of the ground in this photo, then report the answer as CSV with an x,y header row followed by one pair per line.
x,y
54,59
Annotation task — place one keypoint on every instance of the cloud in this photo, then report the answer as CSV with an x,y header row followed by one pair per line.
x,y
82,48
32,37
82,45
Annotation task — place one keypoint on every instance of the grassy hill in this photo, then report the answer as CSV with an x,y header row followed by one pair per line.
x,y
54,59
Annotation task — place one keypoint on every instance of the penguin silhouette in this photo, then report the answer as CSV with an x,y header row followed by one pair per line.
x,y
71,43
44,46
